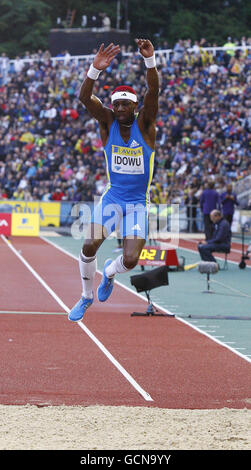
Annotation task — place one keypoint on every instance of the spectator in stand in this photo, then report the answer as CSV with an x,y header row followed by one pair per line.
x,y
191,202
179,51
228,203
3,193
106,22
58,195
209,200
203,126
229,47
4,65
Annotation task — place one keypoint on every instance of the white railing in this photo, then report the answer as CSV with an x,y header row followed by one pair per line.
x,y
159,53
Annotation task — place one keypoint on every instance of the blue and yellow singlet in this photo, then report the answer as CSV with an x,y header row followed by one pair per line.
x,y
129,165
129,169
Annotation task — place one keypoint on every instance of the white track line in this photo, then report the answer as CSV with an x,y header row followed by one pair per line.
x,y
130,379
21,312
100,272
158,306
35,274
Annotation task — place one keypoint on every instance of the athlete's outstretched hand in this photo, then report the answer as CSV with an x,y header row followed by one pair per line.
x,y
145,47
104,56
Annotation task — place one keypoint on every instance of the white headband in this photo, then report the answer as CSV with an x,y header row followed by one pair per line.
x,y
124,95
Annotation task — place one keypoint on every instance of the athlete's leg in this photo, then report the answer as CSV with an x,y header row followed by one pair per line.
x,y
129,259
132,250
95,236
105,218
134,228
123,263
88,265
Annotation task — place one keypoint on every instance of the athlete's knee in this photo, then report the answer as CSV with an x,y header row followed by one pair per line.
x,y
202,247
130,261
90,247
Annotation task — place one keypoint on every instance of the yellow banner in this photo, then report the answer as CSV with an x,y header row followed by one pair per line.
x,y
49,212
25,225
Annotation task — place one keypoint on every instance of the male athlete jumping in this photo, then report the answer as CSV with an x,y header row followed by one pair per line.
x,y
128,138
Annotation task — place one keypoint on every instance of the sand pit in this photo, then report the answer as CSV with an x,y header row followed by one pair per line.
x,y
122,428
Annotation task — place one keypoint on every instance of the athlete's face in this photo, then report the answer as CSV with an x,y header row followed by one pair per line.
x,y
124,111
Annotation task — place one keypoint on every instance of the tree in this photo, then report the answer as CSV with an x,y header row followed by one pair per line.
x,y
24,25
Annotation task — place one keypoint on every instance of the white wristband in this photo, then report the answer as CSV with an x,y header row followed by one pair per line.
x,y
93,73
150,62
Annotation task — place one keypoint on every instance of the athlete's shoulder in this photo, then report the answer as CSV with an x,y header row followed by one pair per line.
x,y
105,126
147,129
108,121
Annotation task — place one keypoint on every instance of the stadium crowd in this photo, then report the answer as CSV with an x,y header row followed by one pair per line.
x,y
50,147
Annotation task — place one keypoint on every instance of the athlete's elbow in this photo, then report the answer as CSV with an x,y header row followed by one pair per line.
x,y
80,99
82,96
84,99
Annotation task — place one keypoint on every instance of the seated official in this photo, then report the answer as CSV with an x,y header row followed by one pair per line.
x,y
221,239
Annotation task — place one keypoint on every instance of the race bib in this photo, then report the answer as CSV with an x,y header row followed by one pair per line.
x,y
128,161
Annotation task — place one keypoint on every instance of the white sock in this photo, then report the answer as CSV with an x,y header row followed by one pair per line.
x,y
88,267
116,267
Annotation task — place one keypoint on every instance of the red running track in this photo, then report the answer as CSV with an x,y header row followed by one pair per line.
x,y
47,360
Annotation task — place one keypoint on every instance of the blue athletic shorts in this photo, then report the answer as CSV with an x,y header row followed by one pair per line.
x,y
130,219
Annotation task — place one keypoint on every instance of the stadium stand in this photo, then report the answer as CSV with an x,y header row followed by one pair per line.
x,y
50,148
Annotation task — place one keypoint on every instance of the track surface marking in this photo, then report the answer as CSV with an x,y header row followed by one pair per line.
x,y
47,360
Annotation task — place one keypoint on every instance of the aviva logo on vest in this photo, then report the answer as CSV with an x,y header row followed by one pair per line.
x,y
127,160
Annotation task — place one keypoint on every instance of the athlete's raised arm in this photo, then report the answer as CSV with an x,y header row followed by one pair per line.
x,y
150,108
101,61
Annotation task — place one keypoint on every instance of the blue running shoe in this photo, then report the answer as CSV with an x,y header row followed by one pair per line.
x,y
79,309
105,287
